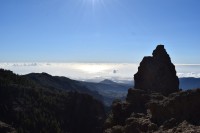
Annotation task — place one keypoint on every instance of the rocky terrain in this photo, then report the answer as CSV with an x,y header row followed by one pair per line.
x,y
156,104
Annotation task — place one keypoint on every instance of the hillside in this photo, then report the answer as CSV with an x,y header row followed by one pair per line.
x,y
61,83
110,90
105,91
30,107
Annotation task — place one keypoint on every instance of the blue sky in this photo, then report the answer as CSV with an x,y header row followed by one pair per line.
x,y
98,30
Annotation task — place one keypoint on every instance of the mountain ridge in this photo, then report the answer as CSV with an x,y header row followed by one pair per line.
x,y
61,83
28,107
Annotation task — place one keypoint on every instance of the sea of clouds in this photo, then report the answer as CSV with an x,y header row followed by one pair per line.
x,y
119,72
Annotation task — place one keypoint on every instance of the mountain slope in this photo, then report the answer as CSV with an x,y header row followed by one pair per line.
x,y
105,91
61,83
29,107
109,90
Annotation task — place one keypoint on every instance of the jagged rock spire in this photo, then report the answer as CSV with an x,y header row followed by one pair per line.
x,y
157,73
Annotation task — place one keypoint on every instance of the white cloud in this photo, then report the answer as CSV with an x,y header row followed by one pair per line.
x,y
191,74
187,64
93,71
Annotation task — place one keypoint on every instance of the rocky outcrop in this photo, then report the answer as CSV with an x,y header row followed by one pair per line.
x,y
179,112
136,123
180,106
156,104
156,73
183,127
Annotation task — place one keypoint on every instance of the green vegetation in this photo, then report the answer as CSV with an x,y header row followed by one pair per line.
x,y
31,108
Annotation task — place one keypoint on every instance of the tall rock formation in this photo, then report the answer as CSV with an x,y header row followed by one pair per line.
x,y
157,73
156,105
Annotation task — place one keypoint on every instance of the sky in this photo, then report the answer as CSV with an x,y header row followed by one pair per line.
x,y
97,39
98,31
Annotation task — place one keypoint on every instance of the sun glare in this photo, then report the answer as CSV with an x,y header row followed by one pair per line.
x,y
94,3
93,68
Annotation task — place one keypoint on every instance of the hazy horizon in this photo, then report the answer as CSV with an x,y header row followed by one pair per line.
x,y
96,72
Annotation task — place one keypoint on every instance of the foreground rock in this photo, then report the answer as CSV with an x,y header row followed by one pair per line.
x,y
156,105
183,127
156,73
181,106
179,112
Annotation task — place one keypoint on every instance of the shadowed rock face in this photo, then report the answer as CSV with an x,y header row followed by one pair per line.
x,y
156,105
157,73
182,106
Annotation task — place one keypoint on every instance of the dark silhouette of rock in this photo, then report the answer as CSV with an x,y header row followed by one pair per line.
x,y
137,99
178,112
181,106
156,105
157,73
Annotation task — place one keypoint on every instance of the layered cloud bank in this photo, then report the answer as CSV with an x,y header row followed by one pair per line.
x,y
93,71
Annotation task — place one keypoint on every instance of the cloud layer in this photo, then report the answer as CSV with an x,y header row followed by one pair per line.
x,y
93,71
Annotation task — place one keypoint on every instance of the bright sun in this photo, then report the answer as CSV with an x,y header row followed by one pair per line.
x,y
93,68
94,2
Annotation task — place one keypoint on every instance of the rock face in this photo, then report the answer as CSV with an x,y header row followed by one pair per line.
x,y
156,105
181,106
157,74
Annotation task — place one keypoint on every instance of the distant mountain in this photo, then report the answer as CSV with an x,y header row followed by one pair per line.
x,y
109,89
32,107
61,83
189,83
105,91
107,81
